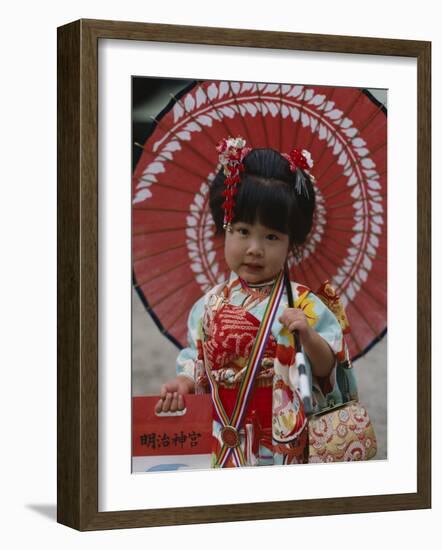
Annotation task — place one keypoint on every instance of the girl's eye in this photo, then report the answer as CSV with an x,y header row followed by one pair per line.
x,y
243,231
272,237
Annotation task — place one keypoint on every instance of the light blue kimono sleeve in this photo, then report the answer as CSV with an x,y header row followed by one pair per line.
x,y
325,391
185,363
327,325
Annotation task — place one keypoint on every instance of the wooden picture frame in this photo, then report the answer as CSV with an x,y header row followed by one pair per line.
x,y
77,224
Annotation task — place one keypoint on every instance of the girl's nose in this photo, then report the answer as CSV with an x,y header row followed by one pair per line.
x,y
255,248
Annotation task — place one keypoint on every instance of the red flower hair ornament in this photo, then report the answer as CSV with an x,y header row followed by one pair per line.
x,y
231,154
300,159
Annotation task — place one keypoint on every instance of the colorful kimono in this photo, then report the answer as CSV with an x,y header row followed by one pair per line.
x,y
222,327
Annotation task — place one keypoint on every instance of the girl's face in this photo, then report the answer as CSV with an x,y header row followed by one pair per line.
x,y
255,252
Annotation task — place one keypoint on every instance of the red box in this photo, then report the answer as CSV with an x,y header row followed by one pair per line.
x,y
171,434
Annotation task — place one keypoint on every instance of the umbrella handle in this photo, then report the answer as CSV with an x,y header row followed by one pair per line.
x,y
304,382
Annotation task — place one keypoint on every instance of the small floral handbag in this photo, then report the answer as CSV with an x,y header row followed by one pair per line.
x,y
343,432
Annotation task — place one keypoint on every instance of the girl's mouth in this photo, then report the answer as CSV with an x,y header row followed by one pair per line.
x,y
253,267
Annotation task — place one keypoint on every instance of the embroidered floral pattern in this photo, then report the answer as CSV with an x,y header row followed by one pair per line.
x,y
308,307
231,335
288,413
343,435
332,300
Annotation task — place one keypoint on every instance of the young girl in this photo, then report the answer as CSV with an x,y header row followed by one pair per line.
x,y
242,346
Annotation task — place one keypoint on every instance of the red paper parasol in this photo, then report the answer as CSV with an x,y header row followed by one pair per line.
x,y
177,258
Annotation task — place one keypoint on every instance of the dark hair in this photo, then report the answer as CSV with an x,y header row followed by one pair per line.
x,y
268,193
